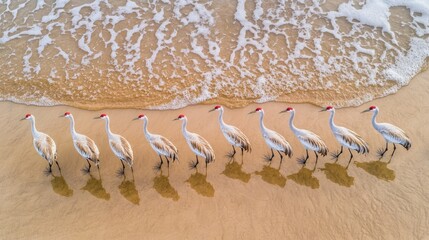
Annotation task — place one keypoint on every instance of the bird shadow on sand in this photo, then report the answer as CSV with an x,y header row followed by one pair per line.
x,y
305,177
162,185
378,169
234,170
199,183
338,174
95,187
60,186
128,190
272,175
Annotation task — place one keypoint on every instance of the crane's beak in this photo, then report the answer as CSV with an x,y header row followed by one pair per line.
x,y
22,119
252,112
212,110
283,111
135,119
175,119
61,116
97,118
323,110
364,111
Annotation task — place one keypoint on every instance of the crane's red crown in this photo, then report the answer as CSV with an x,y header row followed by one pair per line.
x,y
217,107
103,115
329,107
141,115
67,113
181,116
258,109
372,107
289,109
27,115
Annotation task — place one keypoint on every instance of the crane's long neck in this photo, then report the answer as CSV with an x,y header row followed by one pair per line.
x,y
222,123
291,125
374,121
109,133
261,122
72,129
33,127
331,120
146,132
184,130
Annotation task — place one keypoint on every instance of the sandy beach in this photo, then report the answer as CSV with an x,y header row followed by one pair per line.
x,y
238,200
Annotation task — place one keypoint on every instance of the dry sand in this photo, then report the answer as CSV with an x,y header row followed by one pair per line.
x,y
371,199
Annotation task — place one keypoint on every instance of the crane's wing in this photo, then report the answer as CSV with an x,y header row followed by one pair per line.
x,y
123,149
166,145
238,136
88,149
199,143
314,140
280,141
396,133
46,147
353,138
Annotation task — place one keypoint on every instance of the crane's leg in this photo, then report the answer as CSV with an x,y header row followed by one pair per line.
x,y
89,165
50,168
58,165
123,166
196,163
381,153
306,157
394,149
337,155
233,151
242,155
272,154
317,157
351,156
281,157
160,158
168,161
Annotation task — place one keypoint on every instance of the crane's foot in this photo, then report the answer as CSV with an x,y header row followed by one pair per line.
x,y
47,171
193,165
120,172
380,153
230,155
302,160
157,167
268,158
86,170
335,155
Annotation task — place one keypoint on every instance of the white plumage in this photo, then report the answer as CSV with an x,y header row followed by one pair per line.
x,y
273,139
346,137
43,143
159,144
232,134
119,145
308,139
390,133
84,145
196,143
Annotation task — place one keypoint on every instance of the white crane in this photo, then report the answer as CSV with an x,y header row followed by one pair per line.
x,y
346,137
119,145
233,135
159,144
390,133
44,145
196,143
84,145
308,139
273,139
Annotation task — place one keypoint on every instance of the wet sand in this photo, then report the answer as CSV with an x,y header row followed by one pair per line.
x,y
235,200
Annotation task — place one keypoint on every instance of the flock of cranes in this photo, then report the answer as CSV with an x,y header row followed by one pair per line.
x,y
86,147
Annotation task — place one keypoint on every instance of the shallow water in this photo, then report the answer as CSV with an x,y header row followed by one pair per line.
x,y
170,54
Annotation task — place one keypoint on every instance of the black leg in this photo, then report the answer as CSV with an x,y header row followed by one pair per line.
x,y
168,161
233,150
272,154
281,157
89,165
337,155
381,154
123,166
58,165
160,158
306,157
196,163
351,156
317,157
50,167
394,149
